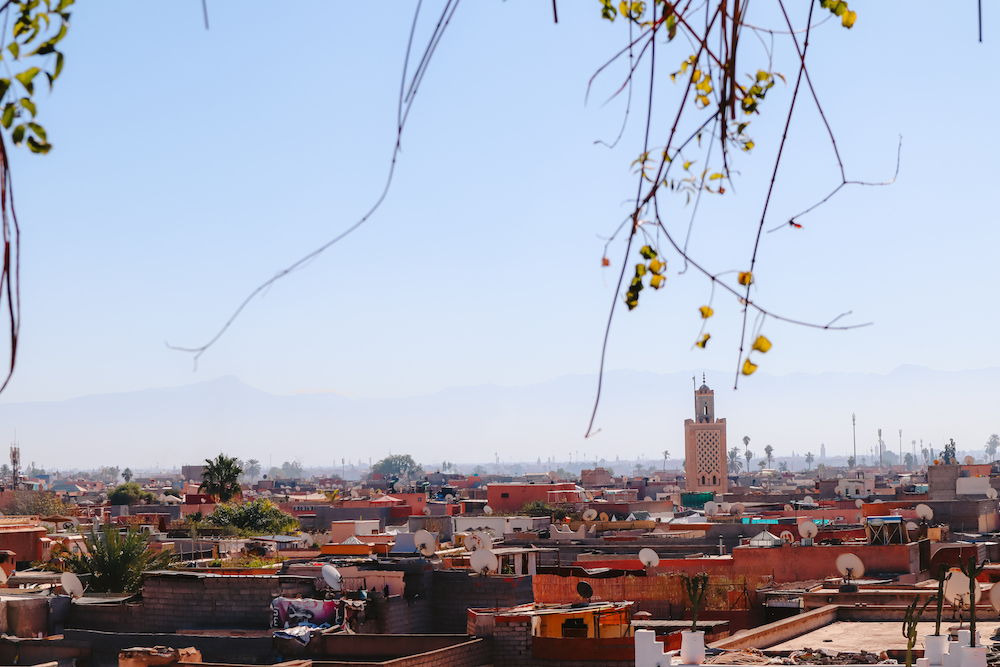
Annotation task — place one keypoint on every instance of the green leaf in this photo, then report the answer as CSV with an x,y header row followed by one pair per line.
x,y
25,78
37,146
50,45
29,105
8,115
58,69
18,135
14,49
4,85
38,129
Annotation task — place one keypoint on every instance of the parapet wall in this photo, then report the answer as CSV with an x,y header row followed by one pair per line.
x,y
457,591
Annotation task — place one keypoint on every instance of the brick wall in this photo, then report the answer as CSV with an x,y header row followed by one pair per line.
x,y
455,592
512,647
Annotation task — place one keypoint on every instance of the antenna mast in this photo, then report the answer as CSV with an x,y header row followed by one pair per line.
x,y
15,464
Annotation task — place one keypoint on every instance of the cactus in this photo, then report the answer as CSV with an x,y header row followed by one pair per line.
x,y
697,588
942,577
971,570
910,621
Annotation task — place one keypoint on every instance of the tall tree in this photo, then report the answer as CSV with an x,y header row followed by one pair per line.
x,y
908,460
398,465
115,560
221,478
734,465
748,456
127,475
809,460
991,446
768,454
666,455
926,454
252,468
783,467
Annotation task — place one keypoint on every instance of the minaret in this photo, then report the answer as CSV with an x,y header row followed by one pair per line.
x,y
705,445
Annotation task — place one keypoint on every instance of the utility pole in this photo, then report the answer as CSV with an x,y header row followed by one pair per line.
x,y
854,426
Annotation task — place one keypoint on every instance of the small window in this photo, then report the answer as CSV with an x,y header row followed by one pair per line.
x,y
713,480
702,479
505,495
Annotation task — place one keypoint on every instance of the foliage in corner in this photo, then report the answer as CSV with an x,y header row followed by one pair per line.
x,y
257,517
116,561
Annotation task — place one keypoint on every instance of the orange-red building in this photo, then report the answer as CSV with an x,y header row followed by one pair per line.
x,y
512,496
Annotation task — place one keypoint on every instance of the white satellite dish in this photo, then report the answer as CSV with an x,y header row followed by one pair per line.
x,y
840,476
648,499
487,509
725,507
788,508
354,493
737,509
991,494
839,491
956,588
590,514
786,536
483,561
850,566
808,500
331,576
71,584
648,557
425,542
969,460
808,529
859,503
308,539
448,498
924,512
910,526
426,511
711,508
879,501
995,597
397,487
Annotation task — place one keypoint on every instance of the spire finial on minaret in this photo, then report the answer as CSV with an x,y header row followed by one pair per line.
x,y
703,378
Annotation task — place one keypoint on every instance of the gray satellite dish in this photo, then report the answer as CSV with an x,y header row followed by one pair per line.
x,y
487,510
711,508
426,511
859,503
308,539
331,576
648,498
448,498
648,557
483,561
910,526
737,509
397,487
924,512
808,500
354,493
71,584
808,529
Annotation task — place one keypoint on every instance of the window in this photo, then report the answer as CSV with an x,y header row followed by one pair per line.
x,y
505,495
713,480
702,479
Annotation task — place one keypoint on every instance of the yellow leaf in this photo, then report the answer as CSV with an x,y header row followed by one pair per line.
x,y
704,340
715,177
745,278
762,344
687,165
848,19
706,312
640,269
748,368
656,266
656,282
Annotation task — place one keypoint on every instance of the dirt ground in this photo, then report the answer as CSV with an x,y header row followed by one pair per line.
x,y
874,637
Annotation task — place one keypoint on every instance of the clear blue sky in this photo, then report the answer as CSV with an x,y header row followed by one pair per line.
x,y
190,165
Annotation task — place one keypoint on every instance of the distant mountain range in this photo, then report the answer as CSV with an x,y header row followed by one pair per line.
x,y
641,413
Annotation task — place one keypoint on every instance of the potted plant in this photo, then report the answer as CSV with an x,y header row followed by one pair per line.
x,y
935,645
693,640
973,655
910,621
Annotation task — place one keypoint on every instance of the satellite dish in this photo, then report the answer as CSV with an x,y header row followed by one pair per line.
x,y
788,508
840,476
924,512
858,518
331,576
737,509
425,542
71,584
956,588
910,526
397,487
656,478
354,493
426,511
991,494
838,491
448,498
725,507
585,590
603,516
859,503
308,539
879,501
711,508
3,577
647,499
808,500
995,597
850,566
590,514
487,509
483,561
648,557
808,529
786,536
969,460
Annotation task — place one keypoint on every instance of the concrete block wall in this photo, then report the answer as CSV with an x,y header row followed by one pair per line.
x,y
512,647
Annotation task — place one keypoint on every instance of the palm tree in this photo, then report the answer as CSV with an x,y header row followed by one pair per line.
x,y
926,454
252,468
748,456
127,475
221,478
666,455
783,467
908,460
762,463
768,454
991,446
115,561
809,460
734,465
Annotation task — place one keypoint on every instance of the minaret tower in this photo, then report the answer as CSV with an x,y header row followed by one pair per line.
x,y
705,446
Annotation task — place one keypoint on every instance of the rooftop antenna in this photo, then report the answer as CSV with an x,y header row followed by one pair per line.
x,y
15,463
850,568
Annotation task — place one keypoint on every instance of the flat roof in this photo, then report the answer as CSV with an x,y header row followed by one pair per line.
x,y
872,636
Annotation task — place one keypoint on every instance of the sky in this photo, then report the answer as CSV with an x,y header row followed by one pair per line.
x,y
191,165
